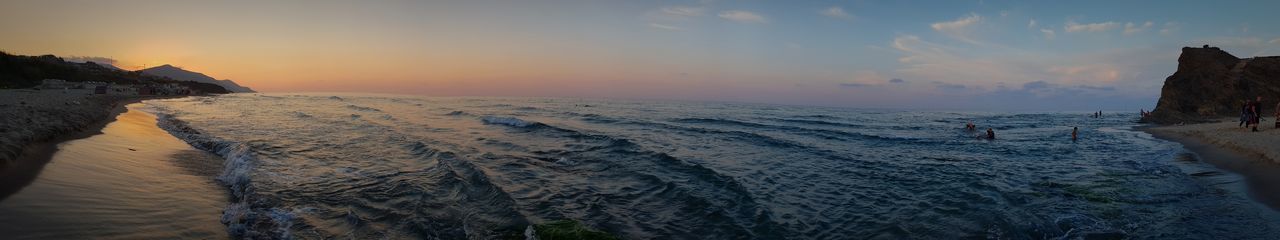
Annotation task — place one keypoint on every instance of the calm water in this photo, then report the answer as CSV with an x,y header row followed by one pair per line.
x,y
311,166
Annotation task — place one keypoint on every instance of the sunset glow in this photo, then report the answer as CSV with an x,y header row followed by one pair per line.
x,y
965,54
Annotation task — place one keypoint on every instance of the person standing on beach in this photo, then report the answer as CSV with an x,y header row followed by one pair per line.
x,y
1277,114
1244,113
1255,111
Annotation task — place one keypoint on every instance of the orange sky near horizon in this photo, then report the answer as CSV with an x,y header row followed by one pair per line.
x,y
856,54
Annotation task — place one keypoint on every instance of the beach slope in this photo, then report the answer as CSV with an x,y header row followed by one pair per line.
x,y
36,121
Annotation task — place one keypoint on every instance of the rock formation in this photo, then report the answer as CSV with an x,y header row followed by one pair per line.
x,y
1211,83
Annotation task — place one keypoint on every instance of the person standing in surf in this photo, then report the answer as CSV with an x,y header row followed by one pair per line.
x,y
1073,133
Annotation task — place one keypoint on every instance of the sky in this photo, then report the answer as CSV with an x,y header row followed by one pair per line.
x,y
972,55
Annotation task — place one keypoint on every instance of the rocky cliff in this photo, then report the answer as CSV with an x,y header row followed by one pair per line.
x,y
1211,83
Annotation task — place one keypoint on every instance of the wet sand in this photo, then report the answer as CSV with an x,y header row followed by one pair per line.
x,y
1255,156
36,121
133,181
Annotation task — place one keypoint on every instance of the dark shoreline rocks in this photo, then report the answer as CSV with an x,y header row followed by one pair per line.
x,y
1211,83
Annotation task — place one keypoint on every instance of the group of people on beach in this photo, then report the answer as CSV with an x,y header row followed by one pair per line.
x,y
1251,114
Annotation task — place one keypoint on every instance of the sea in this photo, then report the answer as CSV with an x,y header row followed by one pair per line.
x,y
372,166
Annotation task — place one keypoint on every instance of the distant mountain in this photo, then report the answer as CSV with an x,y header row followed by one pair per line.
x,y
177,73
104,65
18,71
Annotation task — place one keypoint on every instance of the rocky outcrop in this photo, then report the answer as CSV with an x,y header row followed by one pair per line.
x,y
1211,83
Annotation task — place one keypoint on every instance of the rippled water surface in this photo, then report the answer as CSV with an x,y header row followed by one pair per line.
x,y
314,166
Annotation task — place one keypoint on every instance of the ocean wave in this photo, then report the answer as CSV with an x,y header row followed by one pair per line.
x,y
818,122
242,217
510,121
701,193
819,133
363,108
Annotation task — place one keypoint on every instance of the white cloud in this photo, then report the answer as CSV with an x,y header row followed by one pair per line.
x,y
683,11
665,27
958,29
1048,33
836,12
929,61
1169,28
1091,27
1274,41
958,24
1032,24
1130,28
742,16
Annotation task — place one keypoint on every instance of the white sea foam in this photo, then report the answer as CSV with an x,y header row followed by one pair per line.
x,y
238,164
509,121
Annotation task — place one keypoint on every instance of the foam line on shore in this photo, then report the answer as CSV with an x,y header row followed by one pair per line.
x,y
1233,149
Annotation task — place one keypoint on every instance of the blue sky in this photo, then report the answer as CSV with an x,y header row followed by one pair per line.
x,y
983,54
971,55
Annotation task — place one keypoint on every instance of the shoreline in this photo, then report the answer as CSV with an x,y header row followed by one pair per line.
x,y
131,181
1235,150
29,140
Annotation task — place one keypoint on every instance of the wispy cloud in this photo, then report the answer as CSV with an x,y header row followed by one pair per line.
x,y
836,12
1090,27
683,11
869,79
665,27
1048,33
1032,24
1130,28
1274,41
948,86
930,61
854,85
958,29
742,16
1169,28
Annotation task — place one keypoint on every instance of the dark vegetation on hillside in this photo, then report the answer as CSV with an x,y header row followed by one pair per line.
x,y
17,71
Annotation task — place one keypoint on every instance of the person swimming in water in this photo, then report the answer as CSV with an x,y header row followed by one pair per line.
x,y
1073,133
991,134
970,126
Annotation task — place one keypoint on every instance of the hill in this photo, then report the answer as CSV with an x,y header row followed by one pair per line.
x,y
17,71
174,72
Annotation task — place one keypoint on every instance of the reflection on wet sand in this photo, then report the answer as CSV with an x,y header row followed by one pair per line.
x,y
132,181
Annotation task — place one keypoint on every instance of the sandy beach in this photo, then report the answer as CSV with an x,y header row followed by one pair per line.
x,y
131,181
1253,155
1227,134
36,121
